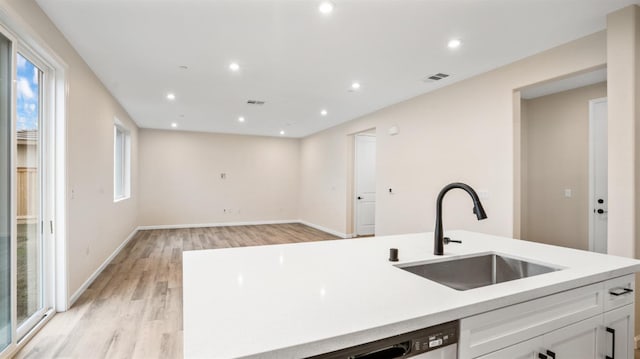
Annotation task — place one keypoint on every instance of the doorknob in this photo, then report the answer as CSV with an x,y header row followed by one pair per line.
x,y
359,197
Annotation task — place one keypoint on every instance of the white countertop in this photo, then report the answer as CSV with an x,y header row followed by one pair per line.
x,y
298,300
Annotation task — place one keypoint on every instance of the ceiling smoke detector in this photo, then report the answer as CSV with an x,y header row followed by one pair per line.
x,y
255,102
437,77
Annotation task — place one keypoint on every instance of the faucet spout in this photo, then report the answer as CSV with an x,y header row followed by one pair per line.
x,y
478,210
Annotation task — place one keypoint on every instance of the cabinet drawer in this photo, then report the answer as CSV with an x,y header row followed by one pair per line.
x,y
619,292
506,326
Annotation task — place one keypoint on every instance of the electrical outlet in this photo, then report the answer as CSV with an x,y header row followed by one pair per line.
x,y
568,193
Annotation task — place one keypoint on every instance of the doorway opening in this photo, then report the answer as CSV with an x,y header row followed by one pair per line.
x,y
364,184
562,168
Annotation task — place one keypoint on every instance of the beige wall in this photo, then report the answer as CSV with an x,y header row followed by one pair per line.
x,y
180,180
463,132
96,225
623,43
556,136
623,58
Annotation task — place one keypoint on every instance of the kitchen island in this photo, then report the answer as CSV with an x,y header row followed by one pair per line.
x,y
301,300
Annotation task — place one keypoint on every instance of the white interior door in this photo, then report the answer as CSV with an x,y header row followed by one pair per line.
x,y
365,184
598,200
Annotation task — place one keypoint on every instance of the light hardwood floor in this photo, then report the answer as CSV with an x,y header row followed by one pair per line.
x,y
134,308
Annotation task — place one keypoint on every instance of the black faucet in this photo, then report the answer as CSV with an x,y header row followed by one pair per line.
x,y
438,238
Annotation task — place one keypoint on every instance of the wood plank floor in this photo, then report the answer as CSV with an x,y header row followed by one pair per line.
x,y
134,308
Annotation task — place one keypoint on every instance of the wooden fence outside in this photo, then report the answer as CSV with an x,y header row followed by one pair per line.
x,y
27,184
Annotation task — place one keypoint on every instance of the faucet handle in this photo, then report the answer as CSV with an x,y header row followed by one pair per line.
x,y
448,240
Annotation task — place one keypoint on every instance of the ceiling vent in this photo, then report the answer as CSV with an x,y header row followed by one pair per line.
x,y
255,102
437,77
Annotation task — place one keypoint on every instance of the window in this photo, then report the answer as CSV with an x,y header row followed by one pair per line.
x,y
121,163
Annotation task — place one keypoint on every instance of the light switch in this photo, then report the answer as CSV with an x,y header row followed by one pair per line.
x,y
568,193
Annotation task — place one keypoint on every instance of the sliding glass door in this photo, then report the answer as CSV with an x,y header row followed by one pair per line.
x,y
26,199
30,194
6,290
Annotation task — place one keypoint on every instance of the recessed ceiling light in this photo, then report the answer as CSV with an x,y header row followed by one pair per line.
x,y
171,96
454,43
355,85
282,132
325,7
323,112
174,125
234,66
240,119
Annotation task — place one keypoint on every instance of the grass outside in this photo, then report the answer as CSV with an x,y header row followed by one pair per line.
x,y
28,269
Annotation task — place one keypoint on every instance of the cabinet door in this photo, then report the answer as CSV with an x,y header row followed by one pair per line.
x,y
579,340
525,350
618,333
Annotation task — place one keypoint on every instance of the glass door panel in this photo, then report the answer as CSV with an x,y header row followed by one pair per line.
x,y
5,190
29,193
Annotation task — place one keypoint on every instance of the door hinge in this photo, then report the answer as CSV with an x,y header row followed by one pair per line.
x,y
51,226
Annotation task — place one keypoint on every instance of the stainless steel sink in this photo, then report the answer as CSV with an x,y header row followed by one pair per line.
x,y
478,271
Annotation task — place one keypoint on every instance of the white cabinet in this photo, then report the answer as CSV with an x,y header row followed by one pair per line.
x,y
617,333
578,340
586,322
525,350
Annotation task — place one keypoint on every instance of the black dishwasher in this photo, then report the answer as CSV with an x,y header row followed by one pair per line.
x,y
436,342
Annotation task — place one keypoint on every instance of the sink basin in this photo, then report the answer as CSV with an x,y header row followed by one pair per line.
x,y
478,271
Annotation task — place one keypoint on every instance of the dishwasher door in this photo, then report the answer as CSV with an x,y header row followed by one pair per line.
x,y
436,342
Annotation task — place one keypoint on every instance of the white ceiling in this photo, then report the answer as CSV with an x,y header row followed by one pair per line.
x,y
298,60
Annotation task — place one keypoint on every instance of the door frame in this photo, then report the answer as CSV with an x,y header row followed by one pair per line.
x,y
354,195
592,174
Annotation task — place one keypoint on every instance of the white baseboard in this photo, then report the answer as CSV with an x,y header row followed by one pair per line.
x,y
325,229
250,223
219,224
104,264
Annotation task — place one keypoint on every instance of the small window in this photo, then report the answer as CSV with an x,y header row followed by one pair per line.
x,y
121,163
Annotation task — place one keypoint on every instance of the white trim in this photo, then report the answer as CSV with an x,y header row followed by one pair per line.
x,y
104,264
118,127
218,224
12,185
592,174
60,222
251,223
324,229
